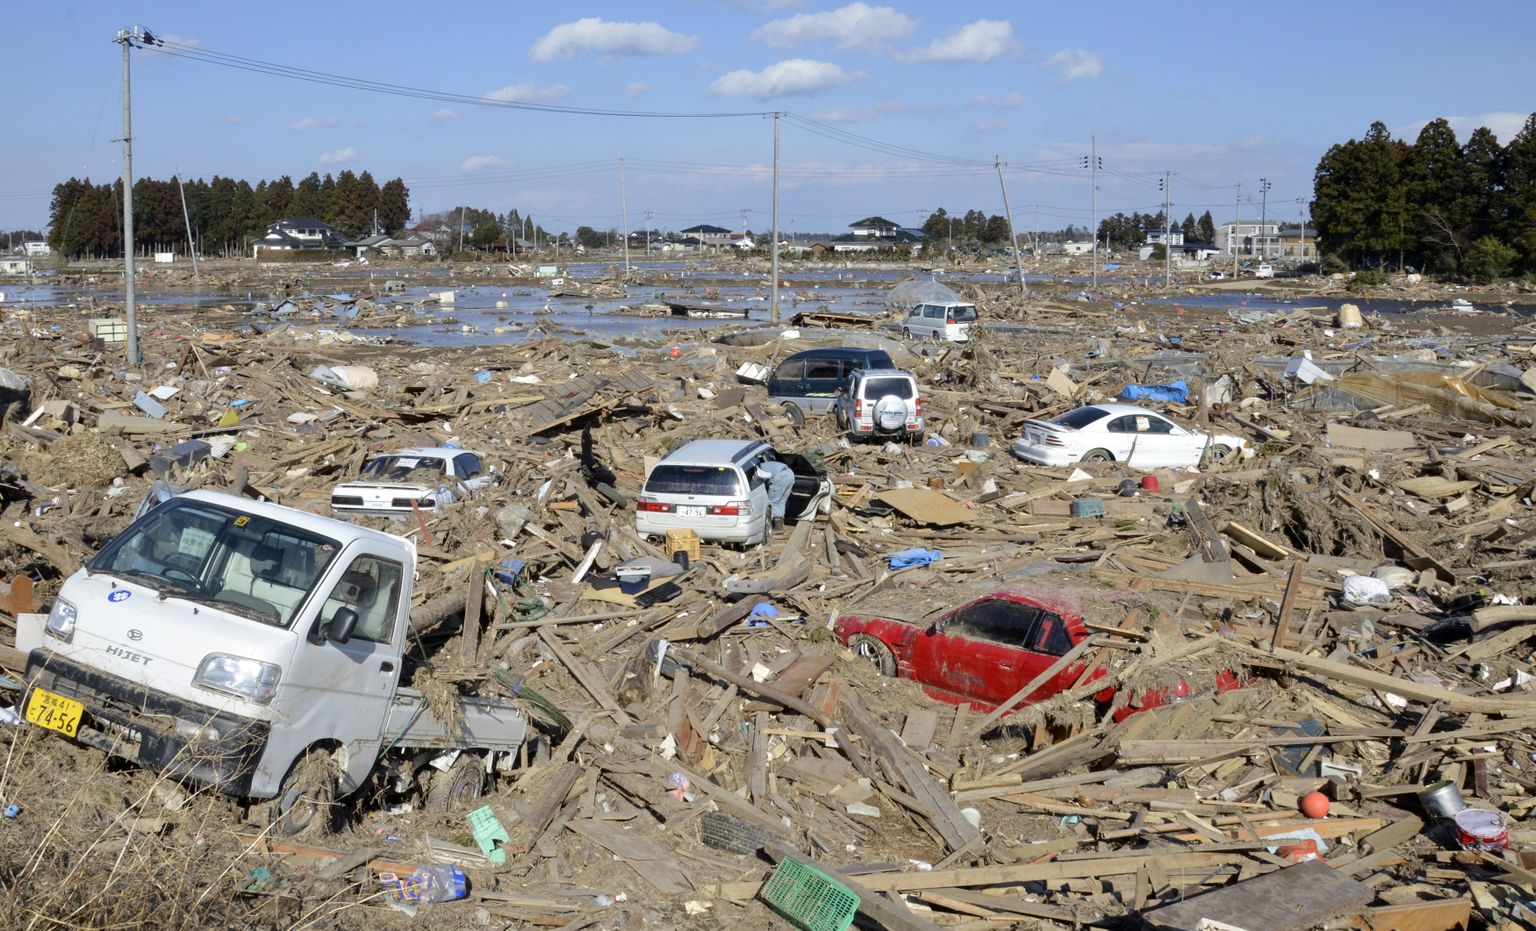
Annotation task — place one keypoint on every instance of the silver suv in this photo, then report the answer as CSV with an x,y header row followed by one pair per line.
x,y
881,403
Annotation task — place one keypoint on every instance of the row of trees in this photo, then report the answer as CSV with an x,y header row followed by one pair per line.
x,y
85,219
972,228
1123,231
1463,210
486,229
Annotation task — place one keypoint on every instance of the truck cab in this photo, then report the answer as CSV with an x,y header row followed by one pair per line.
x,y
223,640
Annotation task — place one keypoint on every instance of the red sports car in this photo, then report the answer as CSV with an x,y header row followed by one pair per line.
x,y
984,651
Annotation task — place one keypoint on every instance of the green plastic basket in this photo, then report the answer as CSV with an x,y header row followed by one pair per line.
x,y
809,898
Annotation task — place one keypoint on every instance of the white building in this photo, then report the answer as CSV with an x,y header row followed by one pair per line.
x,y
1076,248
35,247
1257,239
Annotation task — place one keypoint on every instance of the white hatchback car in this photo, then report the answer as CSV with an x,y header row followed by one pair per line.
x,y
940,320
712,488
1125,433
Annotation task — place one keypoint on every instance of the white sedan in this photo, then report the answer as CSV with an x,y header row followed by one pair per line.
x,y
1125,433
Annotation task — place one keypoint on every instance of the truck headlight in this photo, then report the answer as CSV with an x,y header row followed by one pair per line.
x,y
61,620
250,679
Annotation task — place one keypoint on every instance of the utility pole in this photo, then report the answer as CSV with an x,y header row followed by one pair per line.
x,y
648,234
951,218
773,299
1264,219
126,38
461,227
1013,237
1092,164
624,208
1167,187
191,245
1037,237
1237,219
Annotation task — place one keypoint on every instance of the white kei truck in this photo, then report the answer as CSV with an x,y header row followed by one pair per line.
x,y
259,650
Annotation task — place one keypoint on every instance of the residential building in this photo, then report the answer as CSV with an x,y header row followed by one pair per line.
x,y
1298,242
410,245
1256,239
707,235
294,233
1076,248
36,247
1175,237
10,265
875,228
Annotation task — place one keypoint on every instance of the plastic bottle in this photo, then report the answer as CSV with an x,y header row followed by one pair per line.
x,y
437,883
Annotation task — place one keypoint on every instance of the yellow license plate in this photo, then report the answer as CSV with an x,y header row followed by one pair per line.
x,y
55,712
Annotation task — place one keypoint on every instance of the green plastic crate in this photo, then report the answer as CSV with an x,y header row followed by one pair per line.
x,y
809,898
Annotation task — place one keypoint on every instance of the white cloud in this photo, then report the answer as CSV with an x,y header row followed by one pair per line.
x,y
991,126
855,26
311,123
477,162
982,40
636,88
772,6
842,115
234,119
1074,63
1503,124
1011,101
528,92
338,156
444,115
897,105
595,35
793,76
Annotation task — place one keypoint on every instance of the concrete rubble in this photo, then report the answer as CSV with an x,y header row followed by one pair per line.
x,y
669,783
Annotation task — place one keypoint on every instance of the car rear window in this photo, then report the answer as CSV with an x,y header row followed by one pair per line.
x,y
1079,418
875,388
963,314
693,480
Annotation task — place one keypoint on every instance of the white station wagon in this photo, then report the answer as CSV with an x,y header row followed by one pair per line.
x,y
424,478
1125,433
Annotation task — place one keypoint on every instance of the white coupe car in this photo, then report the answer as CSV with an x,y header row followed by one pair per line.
x,y
1125,433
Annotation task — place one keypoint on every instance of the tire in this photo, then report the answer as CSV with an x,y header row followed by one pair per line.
x,y
906,333
794,413
1213,454
306,800
842,419
871,648
734,835
936,337
1098,455
457,787
916,439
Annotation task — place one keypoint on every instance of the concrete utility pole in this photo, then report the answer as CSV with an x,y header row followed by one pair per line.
x,y
126,38
1264,219
461,227
1093,227
773,299
624,208
1237,219
1167,228
1013,237
192,246
648,234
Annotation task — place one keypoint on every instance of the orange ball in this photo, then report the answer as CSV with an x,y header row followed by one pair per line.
x,y
1314,805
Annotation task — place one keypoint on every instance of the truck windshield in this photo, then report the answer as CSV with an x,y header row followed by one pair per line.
x,y
400,468
245,564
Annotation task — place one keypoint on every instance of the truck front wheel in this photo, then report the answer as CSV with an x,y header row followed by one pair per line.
x,y
307,800
457,787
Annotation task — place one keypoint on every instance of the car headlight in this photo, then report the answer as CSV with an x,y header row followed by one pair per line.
x,y
61,620
250,679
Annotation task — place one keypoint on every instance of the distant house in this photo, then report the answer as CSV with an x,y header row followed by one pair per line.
x,y
743,240
14,266
35,247
410,245
1298,242
875,228
1076,248
708,235
1260,239
296,233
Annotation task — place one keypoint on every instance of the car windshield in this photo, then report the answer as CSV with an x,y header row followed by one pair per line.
x,y
881,387
403,468
248,565
1079,418
668,479
963,313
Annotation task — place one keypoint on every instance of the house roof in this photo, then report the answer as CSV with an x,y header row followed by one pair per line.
x,y
706,228
304,223
877,222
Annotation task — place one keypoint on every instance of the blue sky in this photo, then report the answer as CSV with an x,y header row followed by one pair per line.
x,y
1218,94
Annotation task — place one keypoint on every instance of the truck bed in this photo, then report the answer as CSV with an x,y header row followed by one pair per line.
x,y
488,724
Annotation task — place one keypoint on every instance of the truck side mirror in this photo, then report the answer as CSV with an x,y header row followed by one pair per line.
x,y
343,624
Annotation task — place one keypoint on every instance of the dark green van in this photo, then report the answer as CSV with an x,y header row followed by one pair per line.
x,y
810,379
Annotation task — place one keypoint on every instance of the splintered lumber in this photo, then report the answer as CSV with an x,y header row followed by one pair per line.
x,y
1255,541
536,822
1043,872
655,865
594,685
1343,435
1370,679
1184,750
1434,915
908,772
1297,898
1416,555
747,683
1494,615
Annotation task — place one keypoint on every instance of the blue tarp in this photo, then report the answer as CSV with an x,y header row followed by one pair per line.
x,y
1174,392
908,559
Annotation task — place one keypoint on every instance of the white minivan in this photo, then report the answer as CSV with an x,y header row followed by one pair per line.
x,y
940,320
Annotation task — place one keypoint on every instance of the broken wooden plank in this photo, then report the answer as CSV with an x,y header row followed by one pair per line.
x,y
1297,898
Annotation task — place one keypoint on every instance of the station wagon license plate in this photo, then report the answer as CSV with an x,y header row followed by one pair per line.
x,y
55,712
691,510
